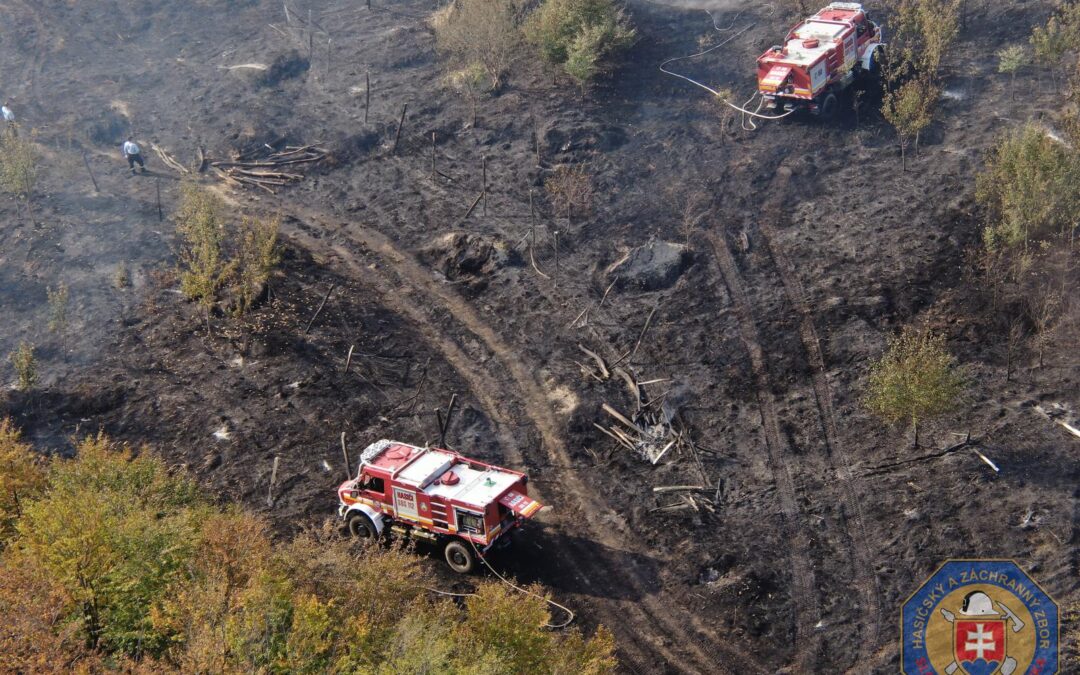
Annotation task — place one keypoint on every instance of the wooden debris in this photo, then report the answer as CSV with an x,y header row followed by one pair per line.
x,y
604,374
168,160
266,170
619,416
677,488
988,461
1056,413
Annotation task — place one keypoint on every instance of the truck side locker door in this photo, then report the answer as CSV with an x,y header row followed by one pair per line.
x,y
850,51
405,503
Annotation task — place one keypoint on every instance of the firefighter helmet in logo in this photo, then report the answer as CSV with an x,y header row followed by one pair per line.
x,y
979,617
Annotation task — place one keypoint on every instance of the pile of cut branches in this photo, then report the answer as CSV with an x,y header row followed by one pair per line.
x,y
268,170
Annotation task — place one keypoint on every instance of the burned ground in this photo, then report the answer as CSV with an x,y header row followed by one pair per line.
x,y
805,248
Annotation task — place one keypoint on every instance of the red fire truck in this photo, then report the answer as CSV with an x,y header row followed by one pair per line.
x,y
435,495
820,57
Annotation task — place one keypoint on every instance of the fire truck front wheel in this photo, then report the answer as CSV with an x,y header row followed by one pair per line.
x,y
361,527
460,557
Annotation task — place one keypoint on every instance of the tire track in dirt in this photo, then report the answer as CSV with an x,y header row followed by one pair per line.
x,y
864,580
802,574
610,577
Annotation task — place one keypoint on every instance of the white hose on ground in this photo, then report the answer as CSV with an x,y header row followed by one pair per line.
x,y
569,614
564,624
742,109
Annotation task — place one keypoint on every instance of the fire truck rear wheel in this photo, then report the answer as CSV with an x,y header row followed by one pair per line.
x,y
361,527
460,557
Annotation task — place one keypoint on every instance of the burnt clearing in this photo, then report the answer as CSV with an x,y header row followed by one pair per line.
x,y
800,248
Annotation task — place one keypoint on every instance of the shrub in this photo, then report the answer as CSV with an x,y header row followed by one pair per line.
x,y
121,278
579,36
914,380
480,33
1030,189
18,164
58,302
256,257
25,366
203,269
569,187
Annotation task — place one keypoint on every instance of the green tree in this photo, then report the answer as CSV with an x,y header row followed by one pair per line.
x,y
469,81
915,380
1049,44
257,255
910,109
579,36
1030,189
1010,60
203,268
924,32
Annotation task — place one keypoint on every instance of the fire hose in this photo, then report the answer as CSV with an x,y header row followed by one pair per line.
x,y
746,124
569,613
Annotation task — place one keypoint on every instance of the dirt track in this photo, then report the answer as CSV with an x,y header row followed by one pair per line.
x,y
822,526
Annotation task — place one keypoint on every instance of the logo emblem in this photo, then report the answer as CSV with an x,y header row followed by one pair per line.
x,y
979,617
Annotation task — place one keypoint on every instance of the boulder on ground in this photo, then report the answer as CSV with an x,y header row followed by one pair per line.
x,y
462,255
650,267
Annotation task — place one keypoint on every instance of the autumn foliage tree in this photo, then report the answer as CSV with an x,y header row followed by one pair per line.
x,y
915,380
113,558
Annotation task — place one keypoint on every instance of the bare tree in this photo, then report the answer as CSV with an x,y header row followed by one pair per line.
x,y
1015,339
479,32
569,187
1044,309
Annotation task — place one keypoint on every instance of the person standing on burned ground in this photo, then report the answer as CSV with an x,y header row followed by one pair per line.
x,y
133,155
9,117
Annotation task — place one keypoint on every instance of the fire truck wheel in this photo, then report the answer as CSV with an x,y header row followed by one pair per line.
x,y
828,107
460,557
360,526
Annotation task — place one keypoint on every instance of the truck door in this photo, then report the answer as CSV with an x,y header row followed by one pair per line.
x,y
405,503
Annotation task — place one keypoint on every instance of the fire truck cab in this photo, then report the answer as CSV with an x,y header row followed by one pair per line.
x,y
435,495
820,57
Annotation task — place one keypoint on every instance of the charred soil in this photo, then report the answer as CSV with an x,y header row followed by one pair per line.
x,y
748,277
